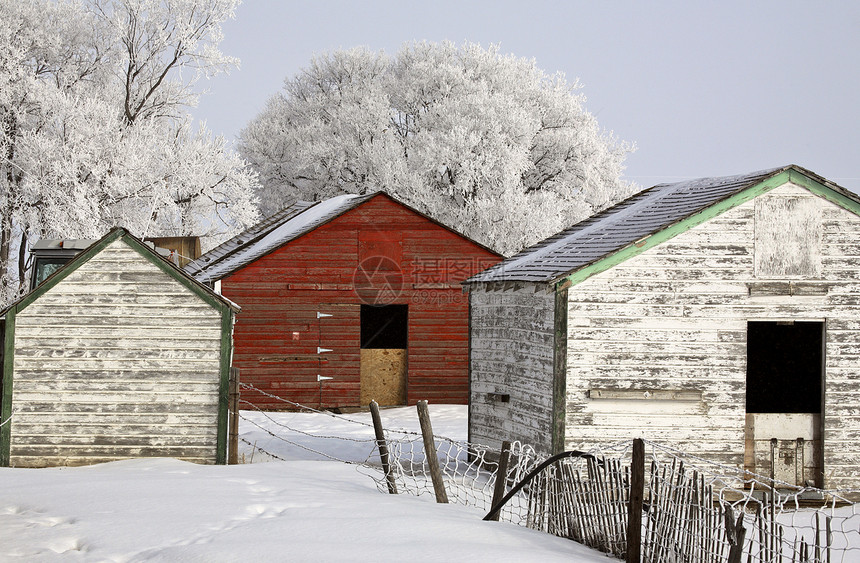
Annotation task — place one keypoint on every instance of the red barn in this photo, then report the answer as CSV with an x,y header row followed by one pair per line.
x,y
348,300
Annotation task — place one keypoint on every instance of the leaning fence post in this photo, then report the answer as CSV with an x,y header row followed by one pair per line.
x,y
501,478
233,407
383,447
634,508
430,452
735,532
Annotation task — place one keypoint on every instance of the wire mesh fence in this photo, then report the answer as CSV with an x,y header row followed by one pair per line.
x,y
709,508
469,472
693,510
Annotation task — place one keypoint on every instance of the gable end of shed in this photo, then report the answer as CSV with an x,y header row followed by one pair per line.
x,y
139,252
791,175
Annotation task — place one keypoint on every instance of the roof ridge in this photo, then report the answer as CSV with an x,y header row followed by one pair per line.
x,y
640,215
256,232
138,245
334,206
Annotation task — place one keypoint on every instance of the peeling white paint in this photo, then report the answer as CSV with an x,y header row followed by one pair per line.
x,y
118,360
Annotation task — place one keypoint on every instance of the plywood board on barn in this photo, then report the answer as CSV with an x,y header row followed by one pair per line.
x,y
383,376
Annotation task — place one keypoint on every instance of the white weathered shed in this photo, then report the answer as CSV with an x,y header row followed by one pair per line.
x,y
717,316
119,354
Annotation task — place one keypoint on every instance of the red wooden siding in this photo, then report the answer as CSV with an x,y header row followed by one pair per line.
x,y
277,332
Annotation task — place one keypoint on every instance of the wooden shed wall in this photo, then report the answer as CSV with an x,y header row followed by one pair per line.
x,y
512,354
277,335
118,360
675,318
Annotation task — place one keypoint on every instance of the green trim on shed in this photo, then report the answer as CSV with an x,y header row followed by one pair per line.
x,y
194,286
6,406
141,248
68,269
224,386
559,371
822,190
787,176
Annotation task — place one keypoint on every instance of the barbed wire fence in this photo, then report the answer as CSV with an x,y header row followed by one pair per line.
x,y
469,469
293,437
694,510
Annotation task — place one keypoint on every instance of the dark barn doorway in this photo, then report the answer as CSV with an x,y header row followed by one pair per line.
x,y
384,344
784,361
784,379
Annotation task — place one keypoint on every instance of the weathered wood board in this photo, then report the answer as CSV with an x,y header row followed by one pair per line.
x,y
676,316
784,446
383,376
512,354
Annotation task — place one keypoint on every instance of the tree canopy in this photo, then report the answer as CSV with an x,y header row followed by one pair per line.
x,y
94,125
485,142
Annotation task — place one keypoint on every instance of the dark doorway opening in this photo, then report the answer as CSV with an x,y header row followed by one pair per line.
x,y
384,327
784,367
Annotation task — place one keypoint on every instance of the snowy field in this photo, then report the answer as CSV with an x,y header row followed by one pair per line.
x,y
303,509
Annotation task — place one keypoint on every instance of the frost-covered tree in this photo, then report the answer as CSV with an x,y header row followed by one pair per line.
x,y
485,142
94,124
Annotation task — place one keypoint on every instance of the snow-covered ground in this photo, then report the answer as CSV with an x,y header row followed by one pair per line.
x,y
303,509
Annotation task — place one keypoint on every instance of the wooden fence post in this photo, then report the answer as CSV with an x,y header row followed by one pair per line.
x,y
430,452
233,407
383,448
634,508
735,533
501,478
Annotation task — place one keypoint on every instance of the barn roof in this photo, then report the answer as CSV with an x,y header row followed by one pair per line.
x,y
274,232
633,225
148,252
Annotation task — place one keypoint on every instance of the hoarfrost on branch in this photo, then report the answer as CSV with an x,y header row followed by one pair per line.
x,y
485,142
94,125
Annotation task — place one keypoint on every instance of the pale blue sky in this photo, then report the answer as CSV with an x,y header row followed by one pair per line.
x,y
702,88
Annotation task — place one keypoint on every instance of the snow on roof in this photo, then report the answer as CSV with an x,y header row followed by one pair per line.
x,y
66,244
114,234
639,216
229,247
275,231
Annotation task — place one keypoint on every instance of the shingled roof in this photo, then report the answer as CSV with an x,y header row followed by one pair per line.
x,y
649,212
273,232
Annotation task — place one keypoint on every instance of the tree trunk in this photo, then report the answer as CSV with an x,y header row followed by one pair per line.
x,y
11,180
5,243
22,262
